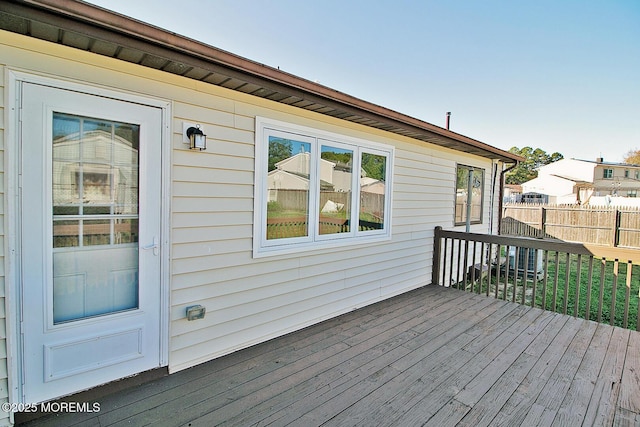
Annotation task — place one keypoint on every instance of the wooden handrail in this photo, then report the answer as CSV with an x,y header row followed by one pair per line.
x,y
588,249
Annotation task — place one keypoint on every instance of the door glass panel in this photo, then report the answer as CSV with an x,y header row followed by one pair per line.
x,y
95,217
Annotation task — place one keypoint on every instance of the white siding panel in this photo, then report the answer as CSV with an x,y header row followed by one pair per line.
x,y
196,160
418,192
182,156
227,259
263,300
204,189
211,204
237,288
199,219
219,115
215,233
268,325
192,250
418,188
219,133
245,123
210,175
234,278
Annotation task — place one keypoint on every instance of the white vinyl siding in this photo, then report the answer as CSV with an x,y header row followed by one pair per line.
x,y
251,300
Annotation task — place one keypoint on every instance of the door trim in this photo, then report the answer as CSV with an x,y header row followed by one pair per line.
x,y
13,294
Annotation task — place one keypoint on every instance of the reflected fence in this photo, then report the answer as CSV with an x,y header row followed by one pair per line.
x,y
279,228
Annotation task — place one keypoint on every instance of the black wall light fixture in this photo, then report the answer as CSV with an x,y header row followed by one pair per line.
x,y
197,139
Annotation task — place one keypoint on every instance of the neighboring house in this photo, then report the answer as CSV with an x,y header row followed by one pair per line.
x,y
616,179
512,193
113,248
570,181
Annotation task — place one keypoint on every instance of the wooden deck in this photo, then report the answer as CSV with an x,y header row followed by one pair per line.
x,y
434,356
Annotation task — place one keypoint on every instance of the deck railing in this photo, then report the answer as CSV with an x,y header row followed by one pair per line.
x,y
584,280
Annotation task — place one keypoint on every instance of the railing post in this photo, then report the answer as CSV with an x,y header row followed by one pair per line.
x,y
437,244
616,228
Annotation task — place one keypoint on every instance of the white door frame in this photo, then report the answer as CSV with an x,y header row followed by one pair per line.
x,y
13,299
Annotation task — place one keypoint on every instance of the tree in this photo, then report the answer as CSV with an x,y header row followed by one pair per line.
x,y
533,160
339,158
279,149
374,166
632,157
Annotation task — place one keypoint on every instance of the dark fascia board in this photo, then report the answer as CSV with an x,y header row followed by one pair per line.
x,y
101,24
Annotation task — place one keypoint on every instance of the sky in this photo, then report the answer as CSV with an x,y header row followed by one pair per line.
x,y
560,75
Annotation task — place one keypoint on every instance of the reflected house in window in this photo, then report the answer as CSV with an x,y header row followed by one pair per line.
x,y
88,171
371,185
293,174
95,182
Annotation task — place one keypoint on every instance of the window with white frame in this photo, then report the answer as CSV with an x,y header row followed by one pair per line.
x,y
607,173
317,189
469,194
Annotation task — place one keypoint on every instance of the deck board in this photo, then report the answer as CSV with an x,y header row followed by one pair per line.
x,y
433,356
425,369
631,376
601,409
574,406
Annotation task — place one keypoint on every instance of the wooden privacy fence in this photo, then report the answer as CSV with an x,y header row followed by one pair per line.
x,y
618,227
584,280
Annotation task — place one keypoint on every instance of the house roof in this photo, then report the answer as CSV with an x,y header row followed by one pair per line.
x,y
605,163
91,28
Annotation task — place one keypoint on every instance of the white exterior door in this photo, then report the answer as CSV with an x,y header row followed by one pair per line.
x,y
90,227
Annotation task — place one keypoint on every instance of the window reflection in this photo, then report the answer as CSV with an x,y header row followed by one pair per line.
x,y
289,166
95,178
463,187
336,177
372,191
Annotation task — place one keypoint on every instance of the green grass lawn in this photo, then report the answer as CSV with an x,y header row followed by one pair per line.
x,y
570,297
